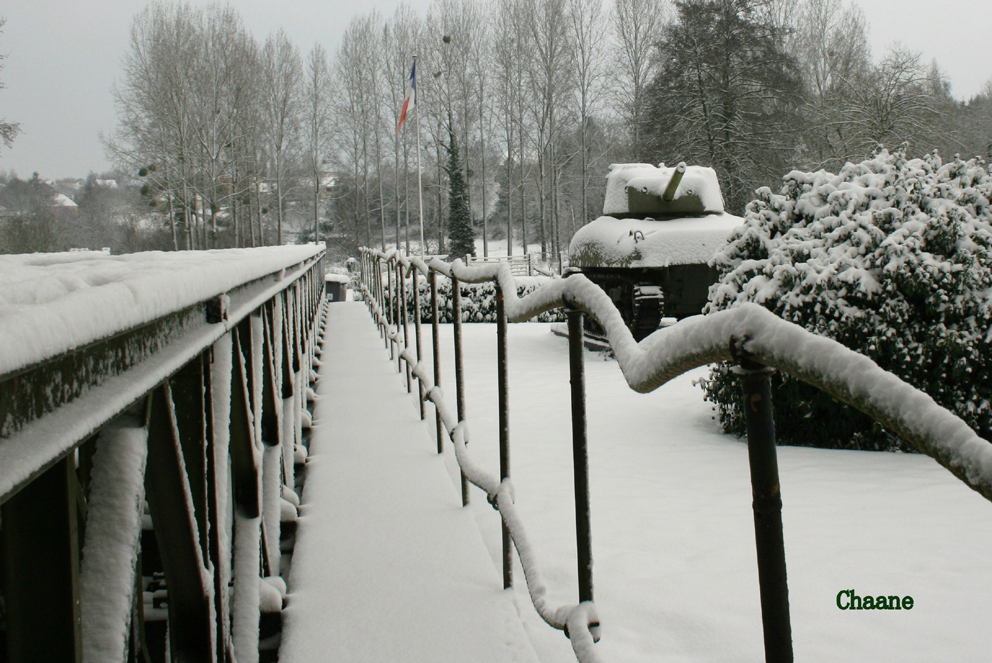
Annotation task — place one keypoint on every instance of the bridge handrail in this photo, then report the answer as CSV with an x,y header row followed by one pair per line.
x,y
748,334
31,441
750,330
194,412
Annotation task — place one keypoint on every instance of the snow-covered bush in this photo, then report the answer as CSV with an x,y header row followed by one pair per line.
x,y
478,300
891,257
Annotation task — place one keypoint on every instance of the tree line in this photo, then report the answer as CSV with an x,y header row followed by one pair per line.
x,y
234,141
542,95
225,133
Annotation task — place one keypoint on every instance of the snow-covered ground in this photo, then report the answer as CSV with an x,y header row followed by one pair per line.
x,y
673,540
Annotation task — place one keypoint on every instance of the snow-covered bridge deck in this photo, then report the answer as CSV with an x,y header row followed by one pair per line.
x,y
387,565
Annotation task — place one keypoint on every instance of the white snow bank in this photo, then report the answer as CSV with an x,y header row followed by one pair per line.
x,y
53,303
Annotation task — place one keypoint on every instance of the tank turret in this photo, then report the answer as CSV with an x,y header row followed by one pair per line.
x,y
651,248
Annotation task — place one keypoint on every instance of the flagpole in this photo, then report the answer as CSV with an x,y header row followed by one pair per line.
x,y
420,187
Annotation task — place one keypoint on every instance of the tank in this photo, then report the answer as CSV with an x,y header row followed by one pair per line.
x,y
651,248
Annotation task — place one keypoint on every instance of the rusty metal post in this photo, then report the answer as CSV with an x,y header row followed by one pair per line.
x,y
456,319
767,505
417,330
383,325
503,389
377,294
367,278
580,453
374,289
437,355
361,266
390,316
401,318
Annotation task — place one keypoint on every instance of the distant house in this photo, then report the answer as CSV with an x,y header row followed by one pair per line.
x,y
62,200
62,205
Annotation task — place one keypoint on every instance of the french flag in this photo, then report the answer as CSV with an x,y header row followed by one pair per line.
x,y
411,96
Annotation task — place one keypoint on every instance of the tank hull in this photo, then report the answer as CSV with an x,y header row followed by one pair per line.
x,y
683,289
631,258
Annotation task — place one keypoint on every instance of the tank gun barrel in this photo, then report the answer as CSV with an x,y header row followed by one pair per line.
x,y
673,184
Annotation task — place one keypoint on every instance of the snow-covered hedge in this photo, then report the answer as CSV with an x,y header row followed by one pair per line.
x,y
891,257
478,300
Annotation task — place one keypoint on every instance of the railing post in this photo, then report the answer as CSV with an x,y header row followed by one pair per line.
x,y
503,387
437,355
374,281
456,314
367,277
401,318
767,505
361,267
416,326
580,454
389,310
381,290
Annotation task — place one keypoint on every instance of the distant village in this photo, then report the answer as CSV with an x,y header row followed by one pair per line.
x,y
109,212
98,212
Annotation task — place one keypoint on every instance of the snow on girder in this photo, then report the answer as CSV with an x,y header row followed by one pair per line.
x,y
752,331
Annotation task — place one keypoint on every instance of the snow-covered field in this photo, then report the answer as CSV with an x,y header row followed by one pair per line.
x,y
673,540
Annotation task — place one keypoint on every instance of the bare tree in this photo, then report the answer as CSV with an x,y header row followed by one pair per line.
x,y
507,73
155,133
830,43
891,104
399,40
551,80
282,74
357,114
452,38
316,122
637,28
589,35
481,67
8,130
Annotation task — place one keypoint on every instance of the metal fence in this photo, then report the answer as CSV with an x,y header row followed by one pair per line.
x,y
141,495
752,337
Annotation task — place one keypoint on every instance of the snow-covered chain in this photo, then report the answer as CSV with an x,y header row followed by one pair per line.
x,y
748,331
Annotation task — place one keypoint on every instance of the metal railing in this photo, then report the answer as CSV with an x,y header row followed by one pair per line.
x,y
157,420
525,265
519,265
752,337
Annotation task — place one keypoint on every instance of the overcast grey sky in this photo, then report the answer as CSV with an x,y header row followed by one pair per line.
x,y
63,58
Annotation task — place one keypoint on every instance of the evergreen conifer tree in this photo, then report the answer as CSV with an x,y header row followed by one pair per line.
x,y
461,235
726,95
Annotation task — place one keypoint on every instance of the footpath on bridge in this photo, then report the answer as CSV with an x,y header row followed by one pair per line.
x,y
387,565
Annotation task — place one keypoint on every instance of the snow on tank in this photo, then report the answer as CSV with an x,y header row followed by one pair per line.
x,y
655,217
